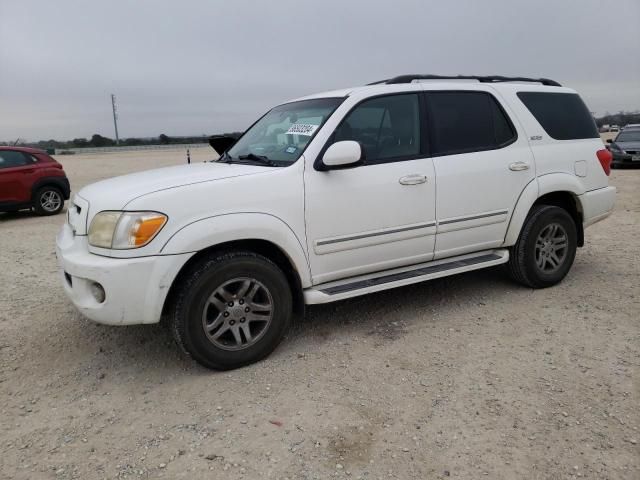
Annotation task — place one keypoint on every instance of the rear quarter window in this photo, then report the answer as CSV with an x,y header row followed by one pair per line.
x,y
564,116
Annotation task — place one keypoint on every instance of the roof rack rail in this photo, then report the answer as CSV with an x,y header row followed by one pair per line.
x,y
480,78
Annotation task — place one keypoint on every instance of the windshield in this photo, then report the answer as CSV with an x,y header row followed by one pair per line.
x,y
629,136
283,133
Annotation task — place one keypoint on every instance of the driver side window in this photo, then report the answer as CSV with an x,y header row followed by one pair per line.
x,y
387,128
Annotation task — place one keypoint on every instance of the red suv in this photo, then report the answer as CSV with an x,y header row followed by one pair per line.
x,y
29,178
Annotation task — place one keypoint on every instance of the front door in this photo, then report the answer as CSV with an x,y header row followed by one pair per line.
x,y
482,165
381,214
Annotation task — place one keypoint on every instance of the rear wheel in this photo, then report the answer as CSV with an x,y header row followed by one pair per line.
x,y
48,201
233,309
546,248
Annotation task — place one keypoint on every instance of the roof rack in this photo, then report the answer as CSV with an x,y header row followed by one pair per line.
x,y
482,79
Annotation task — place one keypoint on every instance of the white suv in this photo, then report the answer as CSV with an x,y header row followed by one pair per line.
x,y
337,195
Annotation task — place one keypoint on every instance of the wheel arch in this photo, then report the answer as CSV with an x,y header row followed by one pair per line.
x,y
259,246
560,190
259,233
60,183
567,201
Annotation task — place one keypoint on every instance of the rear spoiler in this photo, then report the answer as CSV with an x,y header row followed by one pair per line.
x,y
221,143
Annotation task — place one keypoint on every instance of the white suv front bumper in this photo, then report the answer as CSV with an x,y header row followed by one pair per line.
x,y
134,288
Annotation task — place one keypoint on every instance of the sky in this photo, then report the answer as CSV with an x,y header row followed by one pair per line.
x,y
211,66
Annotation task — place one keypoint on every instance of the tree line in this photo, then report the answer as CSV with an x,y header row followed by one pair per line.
x,y
98,140
621,118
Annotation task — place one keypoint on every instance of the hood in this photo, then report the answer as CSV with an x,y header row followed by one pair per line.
x,y
121,190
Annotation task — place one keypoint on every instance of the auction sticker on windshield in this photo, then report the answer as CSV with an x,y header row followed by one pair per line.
x,y
302,129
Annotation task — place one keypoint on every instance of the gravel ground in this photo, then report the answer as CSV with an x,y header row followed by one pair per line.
x,y
469,376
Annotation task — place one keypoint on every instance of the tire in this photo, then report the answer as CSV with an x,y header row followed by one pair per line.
x,y
48,201
205,302
538,260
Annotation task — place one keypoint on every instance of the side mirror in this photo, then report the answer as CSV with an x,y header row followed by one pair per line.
x,y
609,140
344,154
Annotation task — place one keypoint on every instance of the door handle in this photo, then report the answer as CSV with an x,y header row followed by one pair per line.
x,y
414,179
518,166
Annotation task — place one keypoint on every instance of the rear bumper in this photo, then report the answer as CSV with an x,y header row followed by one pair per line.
x,y
134,288
625,158
597,204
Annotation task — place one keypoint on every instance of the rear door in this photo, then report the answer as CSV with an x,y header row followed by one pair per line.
x,y
482,163
17,174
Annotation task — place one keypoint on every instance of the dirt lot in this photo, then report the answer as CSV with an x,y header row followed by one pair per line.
x,y
465,377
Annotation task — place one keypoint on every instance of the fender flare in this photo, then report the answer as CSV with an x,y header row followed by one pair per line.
x,y
211,231
549,183
60,182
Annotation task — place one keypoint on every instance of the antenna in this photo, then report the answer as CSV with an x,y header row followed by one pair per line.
x,y
115,117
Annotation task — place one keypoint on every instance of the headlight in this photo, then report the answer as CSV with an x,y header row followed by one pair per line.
x,y
122,230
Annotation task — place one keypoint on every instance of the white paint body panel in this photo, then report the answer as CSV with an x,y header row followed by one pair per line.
x,y
332,226
353,213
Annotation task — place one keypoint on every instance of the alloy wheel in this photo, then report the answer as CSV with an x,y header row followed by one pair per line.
x,y
50,201
551,248
238,313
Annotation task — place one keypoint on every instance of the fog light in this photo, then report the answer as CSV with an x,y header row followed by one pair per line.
x,y
97,291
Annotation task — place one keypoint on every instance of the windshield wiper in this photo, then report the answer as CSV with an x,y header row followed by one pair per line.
x,y
258,158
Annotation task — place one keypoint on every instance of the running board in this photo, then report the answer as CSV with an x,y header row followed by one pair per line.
x,y
398,277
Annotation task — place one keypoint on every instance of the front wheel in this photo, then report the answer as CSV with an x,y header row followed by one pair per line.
x,y
48,201
233,309
545,249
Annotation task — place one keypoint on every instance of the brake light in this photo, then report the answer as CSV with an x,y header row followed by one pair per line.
x,y
605,157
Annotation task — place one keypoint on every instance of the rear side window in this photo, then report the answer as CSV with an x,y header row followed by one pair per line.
x,y
564,116
9,158
463,122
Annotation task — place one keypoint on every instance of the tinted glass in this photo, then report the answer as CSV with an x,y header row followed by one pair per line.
x,y
466,122
284,132
10,158
386,127
564,116
501,126
628,136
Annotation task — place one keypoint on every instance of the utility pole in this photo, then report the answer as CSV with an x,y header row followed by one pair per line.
x,y
115,117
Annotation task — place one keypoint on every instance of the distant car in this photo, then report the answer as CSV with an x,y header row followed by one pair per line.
x,y
631,126
614,128
626,147
31,179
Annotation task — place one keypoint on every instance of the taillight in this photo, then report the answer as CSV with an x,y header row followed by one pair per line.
x,y
605,158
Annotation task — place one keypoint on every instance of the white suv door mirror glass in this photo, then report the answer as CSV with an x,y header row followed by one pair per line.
x,y
346,152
